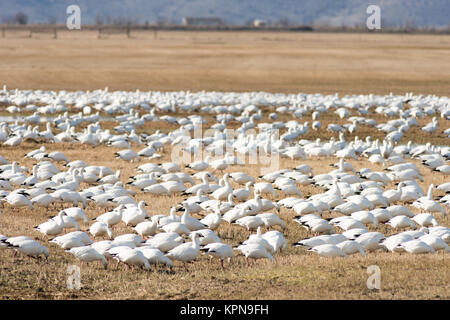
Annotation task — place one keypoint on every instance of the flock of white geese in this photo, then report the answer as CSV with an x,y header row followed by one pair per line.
x,y
362,200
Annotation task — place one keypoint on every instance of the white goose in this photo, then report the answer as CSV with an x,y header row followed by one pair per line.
x,y
18,201
271,220
425,220
243,193
134,215
351,247
435,242
400,222
415,246
254,251
328,251
113,217
165,241
43,200
428,204
212,220
157,189
53,226
127,155
99,229
177,227
370,241
250,222
133,257
224,192
155,256
163,220
146,228
30,248
192,223
88,254
219,250
264,188
187,251
77,213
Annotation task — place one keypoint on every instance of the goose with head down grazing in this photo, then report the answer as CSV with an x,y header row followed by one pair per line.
x,y
17,200
254,251
219,250
88,254
165,241
328,250
415,246
30,248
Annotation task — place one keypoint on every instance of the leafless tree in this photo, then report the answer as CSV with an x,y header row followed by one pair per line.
x,y
21,18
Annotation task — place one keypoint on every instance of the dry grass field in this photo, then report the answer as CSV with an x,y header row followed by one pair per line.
x,y
228,61
275,62
294,275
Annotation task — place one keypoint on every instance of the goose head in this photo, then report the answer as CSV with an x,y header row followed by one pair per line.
x,y
45,252
142,204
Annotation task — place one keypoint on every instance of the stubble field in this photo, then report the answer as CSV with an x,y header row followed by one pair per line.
x,y
275,62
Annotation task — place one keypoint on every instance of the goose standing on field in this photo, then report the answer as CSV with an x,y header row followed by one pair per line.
x,y
155,256
113,217
328,250
425,220
219,250
224,192
351,247
276,239
435,242
271,219
254,251
70,222
30,248
57,156
370,241
187,251
18,200
192,223
77,213
428,204
177,227
212,220
146,228
134,215
127,155
415,246
53,226
400,222
99,229
43,200
264,188
88,254
165,241
172,217
199,165
259,239
133,257
244,193
250,222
